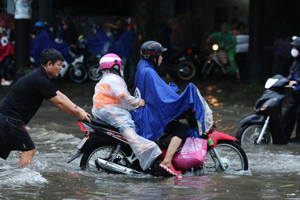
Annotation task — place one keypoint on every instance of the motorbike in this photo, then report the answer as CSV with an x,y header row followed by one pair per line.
x,y
76,70
104,148
264,126
215,64
187,63
90,60
94,72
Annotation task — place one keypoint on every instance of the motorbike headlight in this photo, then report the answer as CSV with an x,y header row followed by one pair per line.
x,y
215,47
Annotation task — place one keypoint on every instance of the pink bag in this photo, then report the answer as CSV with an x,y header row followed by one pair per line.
x,y
192,154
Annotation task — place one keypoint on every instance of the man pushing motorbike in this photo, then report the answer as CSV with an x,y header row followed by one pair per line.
x,y
23,101
163,104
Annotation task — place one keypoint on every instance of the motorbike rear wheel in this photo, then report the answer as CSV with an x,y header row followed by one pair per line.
x,y
187,70
78,73
249,134
88,160
232,155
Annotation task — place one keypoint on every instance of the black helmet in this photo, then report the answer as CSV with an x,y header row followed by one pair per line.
x,y
296,42
151,48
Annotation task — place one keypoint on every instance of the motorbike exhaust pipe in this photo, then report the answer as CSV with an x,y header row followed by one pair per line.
x,y
115,167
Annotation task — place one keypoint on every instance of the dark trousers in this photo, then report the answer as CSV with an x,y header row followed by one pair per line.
x,y
290,117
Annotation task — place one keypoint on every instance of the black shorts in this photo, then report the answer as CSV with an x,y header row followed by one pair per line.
x,y
176,128
13,136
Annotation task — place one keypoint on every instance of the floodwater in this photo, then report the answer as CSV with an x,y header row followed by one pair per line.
x,y
273,174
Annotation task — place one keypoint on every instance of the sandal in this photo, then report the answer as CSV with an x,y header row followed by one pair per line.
x,y
170,170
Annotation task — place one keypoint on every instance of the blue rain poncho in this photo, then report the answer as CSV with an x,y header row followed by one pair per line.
x,y
99,44
163,104
43,41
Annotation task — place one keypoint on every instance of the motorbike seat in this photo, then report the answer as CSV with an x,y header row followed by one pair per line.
x,y
99,122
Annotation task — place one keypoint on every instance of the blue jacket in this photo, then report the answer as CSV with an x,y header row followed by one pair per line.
x,y
163,104
295,74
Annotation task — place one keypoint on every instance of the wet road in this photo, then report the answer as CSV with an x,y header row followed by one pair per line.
x,y
274,169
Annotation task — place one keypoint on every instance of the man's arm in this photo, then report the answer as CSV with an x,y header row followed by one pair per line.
x,y
63,103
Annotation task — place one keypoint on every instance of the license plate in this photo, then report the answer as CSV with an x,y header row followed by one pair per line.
x,y
82,142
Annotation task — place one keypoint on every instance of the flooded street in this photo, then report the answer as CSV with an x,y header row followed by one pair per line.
x,y
273,170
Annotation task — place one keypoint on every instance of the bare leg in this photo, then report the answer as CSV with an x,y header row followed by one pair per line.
x,y
172,148
26,157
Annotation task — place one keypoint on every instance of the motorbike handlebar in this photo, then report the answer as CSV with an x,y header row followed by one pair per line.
x,y
287,86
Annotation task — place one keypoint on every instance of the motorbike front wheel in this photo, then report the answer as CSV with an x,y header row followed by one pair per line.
x,y
207,69
249,134
187,70
78,73
94,73
105,152
231,154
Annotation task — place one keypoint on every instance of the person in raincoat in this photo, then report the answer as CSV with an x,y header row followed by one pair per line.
x,y
227,44
163,104
111,102
292,113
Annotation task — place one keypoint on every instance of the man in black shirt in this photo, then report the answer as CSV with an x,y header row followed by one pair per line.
x,y
23,101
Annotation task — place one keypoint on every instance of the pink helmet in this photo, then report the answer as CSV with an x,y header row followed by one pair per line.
x,y
109,60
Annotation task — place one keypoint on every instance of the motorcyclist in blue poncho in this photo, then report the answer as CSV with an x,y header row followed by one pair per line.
x,y
163,104
42,40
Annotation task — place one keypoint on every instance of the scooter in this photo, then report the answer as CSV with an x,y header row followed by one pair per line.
x,y
264,126
216,64
76,70
90,60
185,64
104,148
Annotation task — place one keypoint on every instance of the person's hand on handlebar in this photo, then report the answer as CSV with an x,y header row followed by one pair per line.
x,y
84,115
292,83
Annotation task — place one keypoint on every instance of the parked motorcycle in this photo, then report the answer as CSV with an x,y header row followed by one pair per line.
x,y
104,148
216,63
90,60
94,72
265,126
187,63
76,70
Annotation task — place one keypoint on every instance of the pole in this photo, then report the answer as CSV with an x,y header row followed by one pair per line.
x,y
256,42
22,28
45,10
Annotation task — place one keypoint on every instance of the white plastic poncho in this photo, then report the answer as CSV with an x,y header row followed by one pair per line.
x,y
111,102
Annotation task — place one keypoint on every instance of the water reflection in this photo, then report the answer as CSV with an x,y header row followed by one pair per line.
x,y
212,101
274,169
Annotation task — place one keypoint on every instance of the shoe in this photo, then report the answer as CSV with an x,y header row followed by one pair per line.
x,y
6,83
170,170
